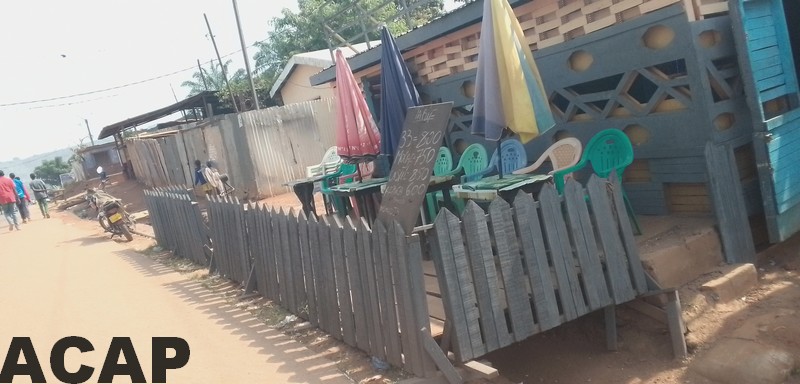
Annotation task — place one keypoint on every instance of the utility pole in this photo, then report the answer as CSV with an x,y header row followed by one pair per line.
x,y
202,76
244,53
89,130
221,66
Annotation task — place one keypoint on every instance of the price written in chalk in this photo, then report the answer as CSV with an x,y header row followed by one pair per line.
x,y
423,133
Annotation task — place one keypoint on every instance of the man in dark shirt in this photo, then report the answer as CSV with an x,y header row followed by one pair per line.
x,y
39,189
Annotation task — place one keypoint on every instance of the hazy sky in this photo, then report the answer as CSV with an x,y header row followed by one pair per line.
x,y
106,44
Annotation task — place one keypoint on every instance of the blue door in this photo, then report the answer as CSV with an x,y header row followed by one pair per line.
x,y
768,44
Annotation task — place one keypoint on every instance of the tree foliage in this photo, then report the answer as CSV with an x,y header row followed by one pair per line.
x,y
309,29
305,30
215,81
50,170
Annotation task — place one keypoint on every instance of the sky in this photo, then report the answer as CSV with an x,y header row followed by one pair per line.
x,y
56,48
107,44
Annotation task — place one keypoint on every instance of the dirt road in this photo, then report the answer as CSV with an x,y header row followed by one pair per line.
x,y
62,277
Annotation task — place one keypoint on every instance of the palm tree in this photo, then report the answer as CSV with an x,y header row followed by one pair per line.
x,y
213,80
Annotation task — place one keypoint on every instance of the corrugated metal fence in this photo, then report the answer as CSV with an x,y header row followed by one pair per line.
x,y
259,150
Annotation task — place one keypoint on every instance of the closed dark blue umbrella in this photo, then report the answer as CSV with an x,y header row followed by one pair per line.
x,y
398,93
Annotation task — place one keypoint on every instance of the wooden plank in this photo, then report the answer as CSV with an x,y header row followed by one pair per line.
x,y
586,246
519,306
436,307
351,249
616,266
410,340
535,255
287,294
432,286
255,235
331,303
253,240
297,264
729,205
458,293
306,271
412,260
313,280
368,282
348,331
243,254
444,365
561,253
386,295
481,370
626,229
610,315
484,275
270,261
675,324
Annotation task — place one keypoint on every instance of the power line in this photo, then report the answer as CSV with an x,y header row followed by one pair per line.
x,y
123,85
73,103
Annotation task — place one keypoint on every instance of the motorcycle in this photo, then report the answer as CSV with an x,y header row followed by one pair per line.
x,y
114,219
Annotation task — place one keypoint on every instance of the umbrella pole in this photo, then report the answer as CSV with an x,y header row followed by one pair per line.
x,y
500,151
500,157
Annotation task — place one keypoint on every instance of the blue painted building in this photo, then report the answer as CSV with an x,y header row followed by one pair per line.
x,y
678,76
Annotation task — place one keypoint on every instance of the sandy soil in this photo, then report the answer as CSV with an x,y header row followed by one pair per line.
x,y
62,277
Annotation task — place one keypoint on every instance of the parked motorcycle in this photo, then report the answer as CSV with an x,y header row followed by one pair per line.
x,y
112,215
115,220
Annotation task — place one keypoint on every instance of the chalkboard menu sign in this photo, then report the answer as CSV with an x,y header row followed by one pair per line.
x,y
423,132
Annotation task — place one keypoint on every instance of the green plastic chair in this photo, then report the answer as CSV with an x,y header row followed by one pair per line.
x,y
442,166
473,160
339,204
609,150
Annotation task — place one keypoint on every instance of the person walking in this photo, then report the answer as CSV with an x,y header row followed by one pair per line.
x,y
8,201
39,189
24,198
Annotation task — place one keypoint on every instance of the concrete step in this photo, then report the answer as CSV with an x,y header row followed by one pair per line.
x,y
677,250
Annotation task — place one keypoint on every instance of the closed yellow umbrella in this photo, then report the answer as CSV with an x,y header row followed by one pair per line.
x,y
509,91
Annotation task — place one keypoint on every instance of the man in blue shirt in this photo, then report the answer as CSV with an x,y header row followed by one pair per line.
x,y
24,199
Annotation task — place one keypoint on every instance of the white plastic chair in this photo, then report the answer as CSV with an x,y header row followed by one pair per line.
x,y
562,154
330,161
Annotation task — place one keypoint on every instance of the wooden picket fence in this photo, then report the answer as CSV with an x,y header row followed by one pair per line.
x,y
503,275
363,286
531,266
177,223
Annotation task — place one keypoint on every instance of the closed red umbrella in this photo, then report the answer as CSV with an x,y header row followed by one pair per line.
x,y
357,137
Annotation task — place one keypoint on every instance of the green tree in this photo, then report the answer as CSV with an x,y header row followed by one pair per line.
x,y
50,170
305,30
213,78
215,81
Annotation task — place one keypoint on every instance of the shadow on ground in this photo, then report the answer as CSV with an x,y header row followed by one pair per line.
x,y
215,303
